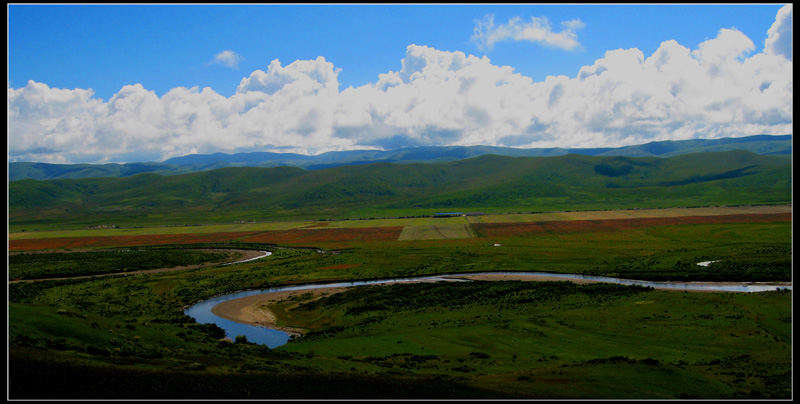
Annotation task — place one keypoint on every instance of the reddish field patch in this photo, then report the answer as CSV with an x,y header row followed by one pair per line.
x,y
590,226
330,235
121,241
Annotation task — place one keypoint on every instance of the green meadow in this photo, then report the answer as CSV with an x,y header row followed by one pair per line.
x,y
127,337
557,339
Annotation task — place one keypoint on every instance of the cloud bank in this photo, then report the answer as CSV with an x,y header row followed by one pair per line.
x,y
723,88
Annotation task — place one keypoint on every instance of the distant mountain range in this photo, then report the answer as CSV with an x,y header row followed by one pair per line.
x,y
759,144
488,183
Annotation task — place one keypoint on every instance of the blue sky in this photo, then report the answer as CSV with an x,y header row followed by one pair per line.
x,y
164,47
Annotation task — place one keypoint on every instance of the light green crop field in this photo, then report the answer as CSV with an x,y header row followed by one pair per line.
x,y
389,222
435,232
139,231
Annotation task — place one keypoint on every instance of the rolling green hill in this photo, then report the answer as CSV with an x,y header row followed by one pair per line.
x,y
488,183
760,144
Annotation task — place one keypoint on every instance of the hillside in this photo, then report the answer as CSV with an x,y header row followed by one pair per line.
x,y
761,144
487,183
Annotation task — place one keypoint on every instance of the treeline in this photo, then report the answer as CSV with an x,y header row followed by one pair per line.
x,y
55,265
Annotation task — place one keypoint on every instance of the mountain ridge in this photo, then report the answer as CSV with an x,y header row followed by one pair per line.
x,y
780,145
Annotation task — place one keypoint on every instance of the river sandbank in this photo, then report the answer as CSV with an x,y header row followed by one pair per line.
x,y
250,310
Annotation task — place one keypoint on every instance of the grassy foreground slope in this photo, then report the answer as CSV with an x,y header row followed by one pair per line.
x,y
488,183
495,340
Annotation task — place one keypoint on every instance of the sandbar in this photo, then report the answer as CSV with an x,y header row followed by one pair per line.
x,y
250,310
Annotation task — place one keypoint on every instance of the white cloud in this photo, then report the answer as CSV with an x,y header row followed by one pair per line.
x,y
46,123
537,30
228,58
302,77
436,98
779,39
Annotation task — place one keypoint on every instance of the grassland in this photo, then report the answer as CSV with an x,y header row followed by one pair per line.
x,y
127,337
553,340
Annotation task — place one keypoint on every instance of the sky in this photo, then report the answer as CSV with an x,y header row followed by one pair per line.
x,y
125,83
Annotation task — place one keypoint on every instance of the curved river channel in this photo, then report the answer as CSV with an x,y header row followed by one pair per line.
x,y
201,311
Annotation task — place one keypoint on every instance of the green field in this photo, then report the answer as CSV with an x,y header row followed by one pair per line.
x,y
437,231
558,339
446,340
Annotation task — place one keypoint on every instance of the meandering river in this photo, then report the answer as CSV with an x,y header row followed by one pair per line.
x,y
201,311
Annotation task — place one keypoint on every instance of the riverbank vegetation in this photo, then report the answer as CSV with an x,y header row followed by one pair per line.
x,y
127,337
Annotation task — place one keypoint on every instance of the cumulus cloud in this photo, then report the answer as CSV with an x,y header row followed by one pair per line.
x,y
722,88
302,77
779,39
48,124
537,30
227,58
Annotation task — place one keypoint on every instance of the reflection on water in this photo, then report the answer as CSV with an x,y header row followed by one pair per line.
x,y
273,338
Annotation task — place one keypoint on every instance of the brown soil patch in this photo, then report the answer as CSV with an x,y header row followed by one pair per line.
x,y
610,225
330,235
61,243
